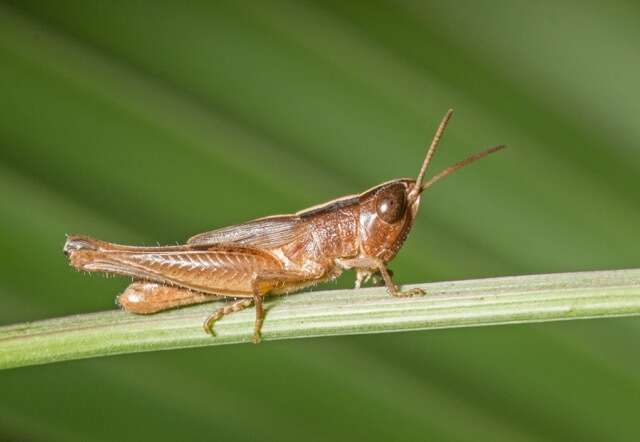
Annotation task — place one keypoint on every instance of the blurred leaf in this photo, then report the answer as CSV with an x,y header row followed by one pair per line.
x,y
148,121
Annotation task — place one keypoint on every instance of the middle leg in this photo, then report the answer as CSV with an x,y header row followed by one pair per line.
x,y
262,284
281,281
231,307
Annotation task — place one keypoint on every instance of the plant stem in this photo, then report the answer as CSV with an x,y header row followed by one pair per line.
x,y
509,300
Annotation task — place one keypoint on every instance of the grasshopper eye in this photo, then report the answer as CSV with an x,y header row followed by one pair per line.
x,y
391,203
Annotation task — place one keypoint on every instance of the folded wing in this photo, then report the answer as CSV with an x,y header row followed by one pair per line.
x,y
264,233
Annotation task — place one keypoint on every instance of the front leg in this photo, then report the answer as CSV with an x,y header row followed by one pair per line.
x,y
366,264
364,275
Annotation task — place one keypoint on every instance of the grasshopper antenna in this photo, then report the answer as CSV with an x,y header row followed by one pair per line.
x,y
432,149
449,170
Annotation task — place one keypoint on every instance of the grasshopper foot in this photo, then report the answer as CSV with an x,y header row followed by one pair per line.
x,y
208,324
413,292
233,306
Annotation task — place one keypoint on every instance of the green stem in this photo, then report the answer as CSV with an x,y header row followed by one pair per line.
x,y
509,300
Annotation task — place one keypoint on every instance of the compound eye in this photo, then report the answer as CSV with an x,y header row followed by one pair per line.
x,y
391,203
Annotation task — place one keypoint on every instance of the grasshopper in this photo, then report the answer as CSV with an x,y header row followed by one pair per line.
x,y
273,255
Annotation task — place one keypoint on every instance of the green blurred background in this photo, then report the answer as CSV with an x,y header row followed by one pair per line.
x,y
148,121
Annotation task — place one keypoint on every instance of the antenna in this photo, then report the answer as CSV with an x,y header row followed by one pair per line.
x,y
460,165
432,148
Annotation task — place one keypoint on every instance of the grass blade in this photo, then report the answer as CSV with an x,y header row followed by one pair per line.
x,y
508,300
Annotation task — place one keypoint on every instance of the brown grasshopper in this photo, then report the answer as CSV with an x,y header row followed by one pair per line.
x,y
273,255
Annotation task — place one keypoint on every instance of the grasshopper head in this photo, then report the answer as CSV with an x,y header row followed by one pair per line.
x,y
389,209
386,216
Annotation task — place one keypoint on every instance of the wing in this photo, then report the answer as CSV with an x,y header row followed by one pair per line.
x,y
264,233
